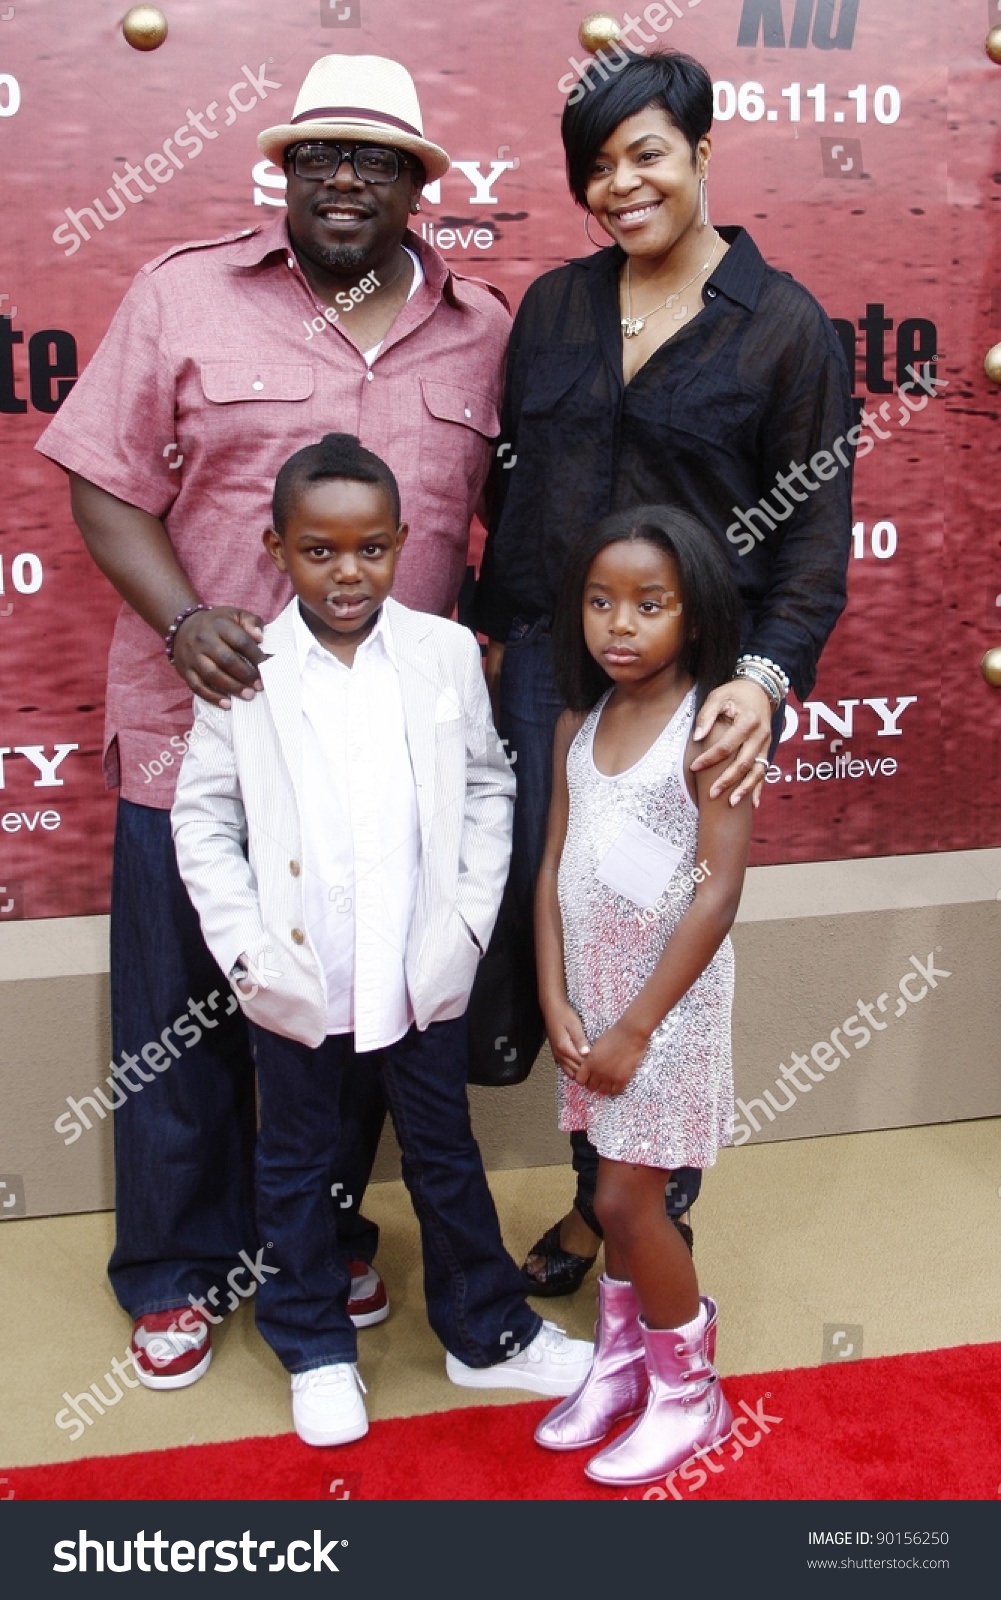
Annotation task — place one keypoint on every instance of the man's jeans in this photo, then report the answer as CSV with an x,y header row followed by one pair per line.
x,y
184,1131
527,715
475,1298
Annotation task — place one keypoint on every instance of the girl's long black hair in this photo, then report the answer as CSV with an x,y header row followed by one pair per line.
x,y
709,597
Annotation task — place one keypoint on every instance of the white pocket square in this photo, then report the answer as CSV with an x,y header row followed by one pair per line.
x,y
447,708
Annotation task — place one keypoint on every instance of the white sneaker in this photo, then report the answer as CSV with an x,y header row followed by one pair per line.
x,y
552,1364
327,1405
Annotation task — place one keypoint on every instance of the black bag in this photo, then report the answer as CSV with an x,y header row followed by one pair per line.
x,y
506,1030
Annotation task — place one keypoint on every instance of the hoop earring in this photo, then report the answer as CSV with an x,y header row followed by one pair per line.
x,y
587,217
703,201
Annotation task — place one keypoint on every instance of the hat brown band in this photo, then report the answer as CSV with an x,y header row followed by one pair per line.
x,y
356,114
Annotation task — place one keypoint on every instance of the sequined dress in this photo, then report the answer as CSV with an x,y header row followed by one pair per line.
x,y
677,1109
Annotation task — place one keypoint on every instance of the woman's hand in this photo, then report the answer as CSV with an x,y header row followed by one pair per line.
x,y
749,711
492,663
612,1059
567,1038
216,652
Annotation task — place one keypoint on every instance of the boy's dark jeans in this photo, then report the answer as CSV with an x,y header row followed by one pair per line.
x,y
184,1137
474,1293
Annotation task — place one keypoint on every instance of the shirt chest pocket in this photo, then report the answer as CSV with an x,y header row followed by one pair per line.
x,y
557,380
458,426
248,402
712,406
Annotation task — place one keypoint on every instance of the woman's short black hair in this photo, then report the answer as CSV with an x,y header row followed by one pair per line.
x,y
337,455
710,601
611,89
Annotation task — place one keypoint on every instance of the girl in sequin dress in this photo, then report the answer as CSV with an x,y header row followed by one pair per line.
x,y
638,890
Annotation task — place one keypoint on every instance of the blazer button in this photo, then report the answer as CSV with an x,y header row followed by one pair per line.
x,y
298,937
293,867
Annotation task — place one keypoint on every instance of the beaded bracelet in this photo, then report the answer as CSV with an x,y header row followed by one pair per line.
x,y
765,681
781,677
169,636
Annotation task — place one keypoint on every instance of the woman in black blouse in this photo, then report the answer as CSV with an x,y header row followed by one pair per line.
x,y
673,367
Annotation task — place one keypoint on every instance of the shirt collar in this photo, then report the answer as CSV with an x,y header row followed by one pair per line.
x,y
381,637
740,275
259,243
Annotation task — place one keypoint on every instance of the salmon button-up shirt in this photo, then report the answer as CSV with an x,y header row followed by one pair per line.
x,y
220,363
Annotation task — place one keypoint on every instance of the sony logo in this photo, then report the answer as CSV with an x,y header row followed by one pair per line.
x,y
819,711
44,765
828,24
266,176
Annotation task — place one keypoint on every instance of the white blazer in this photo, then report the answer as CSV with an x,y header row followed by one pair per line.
x,y
238,834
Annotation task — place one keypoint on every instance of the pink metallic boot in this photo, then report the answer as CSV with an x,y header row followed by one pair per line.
x,y
616,1385
686,1409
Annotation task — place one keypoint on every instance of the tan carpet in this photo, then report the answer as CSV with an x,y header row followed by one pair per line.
x,y
896,1232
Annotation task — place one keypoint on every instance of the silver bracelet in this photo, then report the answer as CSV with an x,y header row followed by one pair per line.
x,y
754,674
781,677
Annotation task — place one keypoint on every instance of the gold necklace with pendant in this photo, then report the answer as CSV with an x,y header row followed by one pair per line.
x,y
632,326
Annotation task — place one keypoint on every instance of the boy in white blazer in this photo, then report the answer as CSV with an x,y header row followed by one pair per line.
x,y
344,837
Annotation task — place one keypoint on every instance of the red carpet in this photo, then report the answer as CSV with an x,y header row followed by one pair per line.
x,y
921,1427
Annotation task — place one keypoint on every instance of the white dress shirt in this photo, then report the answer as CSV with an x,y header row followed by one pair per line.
x,y
360,833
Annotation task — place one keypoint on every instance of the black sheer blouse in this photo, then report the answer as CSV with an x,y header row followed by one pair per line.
x,y
754,386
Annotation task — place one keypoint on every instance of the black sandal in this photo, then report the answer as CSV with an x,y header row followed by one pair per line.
x,y
686,1233
563,1272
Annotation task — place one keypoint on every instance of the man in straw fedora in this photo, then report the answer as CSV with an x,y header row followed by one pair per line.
x,y
225,356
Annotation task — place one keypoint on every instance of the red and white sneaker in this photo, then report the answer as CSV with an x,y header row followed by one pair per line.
x,y
171,1349
368,1302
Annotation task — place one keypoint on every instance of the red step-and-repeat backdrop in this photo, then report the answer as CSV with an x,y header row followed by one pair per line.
x,y
858,140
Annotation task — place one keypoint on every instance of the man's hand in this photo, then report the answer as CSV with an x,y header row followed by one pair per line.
x,y
216,652
748,709
567,1038
612,1059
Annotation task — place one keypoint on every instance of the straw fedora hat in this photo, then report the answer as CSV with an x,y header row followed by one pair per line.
x,y
357,98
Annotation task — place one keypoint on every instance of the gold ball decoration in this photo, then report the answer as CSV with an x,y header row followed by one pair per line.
x,y
991,667
992,363
144,27
598,30
992,44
